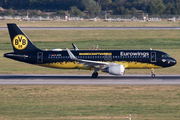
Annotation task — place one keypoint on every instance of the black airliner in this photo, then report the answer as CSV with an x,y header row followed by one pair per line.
x,y
110,61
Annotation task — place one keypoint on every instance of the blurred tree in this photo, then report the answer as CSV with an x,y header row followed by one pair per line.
x,y
74,11
177,7
121,11
60,13
133,11
106,1
170,9
33,13
120,1
156,7
92,7
8,12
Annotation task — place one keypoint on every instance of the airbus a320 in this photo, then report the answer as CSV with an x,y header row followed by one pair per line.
x,y
113,62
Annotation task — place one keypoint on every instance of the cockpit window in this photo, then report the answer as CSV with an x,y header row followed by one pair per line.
x,y
165,56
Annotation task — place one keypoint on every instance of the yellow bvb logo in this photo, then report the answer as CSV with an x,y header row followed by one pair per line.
x,y
20,42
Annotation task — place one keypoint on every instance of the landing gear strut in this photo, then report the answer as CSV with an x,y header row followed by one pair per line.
x,y
152,73
95,74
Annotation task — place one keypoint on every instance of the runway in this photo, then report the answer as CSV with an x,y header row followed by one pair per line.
x,y
96,28
72,79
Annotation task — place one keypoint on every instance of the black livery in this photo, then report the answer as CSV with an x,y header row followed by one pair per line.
x,y
111,61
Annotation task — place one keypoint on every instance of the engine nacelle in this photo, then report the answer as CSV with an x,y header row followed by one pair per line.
x,y
115,70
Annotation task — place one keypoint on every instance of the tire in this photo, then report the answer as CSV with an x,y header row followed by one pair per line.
x,y
95,75
153,75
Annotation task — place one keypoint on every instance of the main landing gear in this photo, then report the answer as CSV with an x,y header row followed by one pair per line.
x,y
152,73
95,74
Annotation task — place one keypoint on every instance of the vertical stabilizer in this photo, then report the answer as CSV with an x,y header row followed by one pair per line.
x,y
19,40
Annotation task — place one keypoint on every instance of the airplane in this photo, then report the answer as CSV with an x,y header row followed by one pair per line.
x,y
113,62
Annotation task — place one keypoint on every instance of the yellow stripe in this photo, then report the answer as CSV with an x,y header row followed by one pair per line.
x,y
75,65
137,65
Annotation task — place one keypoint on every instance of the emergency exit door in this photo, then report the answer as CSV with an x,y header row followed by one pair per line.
x,y
40,57
153,56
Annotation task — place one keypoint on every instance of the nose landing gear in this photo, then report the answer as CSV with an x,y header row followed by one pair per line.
x,y
152,73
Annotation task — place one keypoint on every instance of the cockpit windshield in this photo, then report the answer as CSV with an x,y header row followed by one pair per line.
x,y
165,56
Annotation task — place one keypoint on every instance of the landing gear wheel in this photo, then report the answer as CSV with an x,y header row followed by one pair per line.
x,y
153,75
95,75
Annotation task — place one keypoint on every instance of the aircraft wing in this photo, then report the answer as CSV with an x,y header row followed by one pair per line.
x,y
90,63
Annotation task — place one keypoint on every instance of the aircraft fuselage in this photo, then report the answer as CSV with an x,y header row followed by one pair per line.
x,y
131,59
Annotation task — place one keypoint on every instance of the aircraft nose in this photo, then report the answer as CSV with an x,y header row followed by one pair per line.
x,y
173,61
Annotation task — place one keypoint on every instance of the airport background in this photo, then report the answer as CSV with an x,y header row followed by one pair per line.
x,y
110,10
90,102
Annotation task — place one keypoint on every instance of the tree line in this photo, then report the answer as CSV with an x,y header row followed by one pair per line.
x,y
118,7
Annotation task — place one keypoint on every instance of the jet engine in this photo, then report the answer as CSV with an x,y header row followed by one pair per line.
x,y
115,69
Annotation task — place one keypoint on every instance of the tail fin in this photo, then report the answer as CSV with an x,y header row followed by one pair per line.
x,y
19,40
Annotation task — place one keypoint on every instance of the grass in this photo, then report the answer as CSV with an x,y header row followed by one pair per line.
x,y
106,39
90,102
85,23
163,40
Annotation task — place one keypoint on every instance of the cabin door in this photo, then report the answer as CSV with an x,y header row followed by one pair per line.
x,y
153,56
40,57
